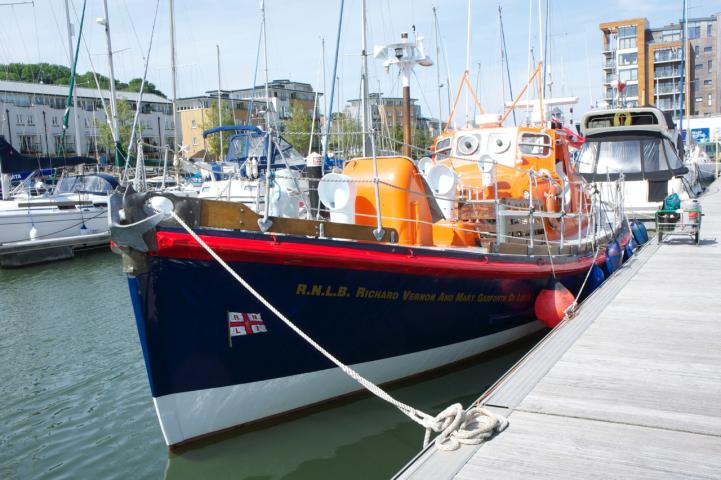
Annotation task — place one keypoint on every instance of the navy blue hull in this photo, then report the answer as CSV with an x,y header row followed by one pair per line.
x,y
182,306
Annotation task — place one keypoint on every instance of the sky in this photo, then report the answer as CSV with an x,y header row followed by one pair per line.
x,y
36,32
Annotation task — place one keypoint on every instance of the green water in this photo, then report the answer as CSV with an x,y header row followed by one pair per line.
x,y
75,403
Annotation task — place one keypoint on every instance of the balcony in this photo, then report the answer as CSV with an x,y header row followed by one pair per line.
x,y
609,65
666,56
666,89
667,73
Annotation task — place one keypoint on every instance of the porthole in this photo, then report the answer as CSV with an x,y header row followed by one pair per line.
x,y
467,145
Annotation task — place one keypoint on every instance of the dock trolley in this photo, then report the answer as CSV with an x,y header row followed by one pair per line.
x,y
679,222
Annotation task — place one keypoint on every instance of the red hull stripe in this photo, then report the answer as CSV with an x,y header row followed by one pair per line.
x,y
182,245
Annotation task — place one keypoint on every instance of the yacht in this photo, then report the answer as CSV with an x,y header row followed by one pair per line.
x,y
641,145
76,206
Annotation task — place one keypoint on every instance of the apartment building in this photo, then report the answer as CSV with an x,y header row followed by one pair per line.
x,y
386,113
646,63
196,113
31,119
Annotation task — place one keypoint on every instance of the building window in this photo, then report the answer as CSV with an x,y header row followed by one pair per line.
x,y
31,120
671,36
699,66
92,148
626,75
69,144
626,32
20,119
666,54
694,32
193,124
708,29
707,49
709,66
29,144
699,99
628,59
708,100
55,121
707,82
631,91
195,141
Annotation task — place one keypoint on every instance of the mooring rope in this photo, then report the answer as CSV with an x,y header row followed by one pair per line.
x,y
454,425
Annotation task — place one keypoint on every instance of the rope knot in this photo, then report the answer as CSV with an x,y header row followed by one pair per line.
x,y
456,427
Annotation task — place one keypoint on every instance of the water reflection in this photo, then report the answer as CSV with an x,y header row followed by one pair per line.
x,y
361,438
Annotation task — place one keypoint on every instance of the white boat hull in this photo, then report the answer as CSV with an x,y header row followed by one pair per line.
x,y
16,224
190,415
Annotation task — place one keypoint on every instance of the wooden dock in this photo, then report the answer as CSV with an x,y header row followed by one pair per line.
x,y
629,388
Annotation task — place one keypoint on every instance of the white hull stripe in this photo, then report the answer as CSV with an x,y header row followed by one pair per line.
x,y
187,415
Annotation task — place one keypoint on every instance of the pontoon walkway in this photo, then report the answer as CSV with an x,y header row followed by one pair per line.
x,y
629,388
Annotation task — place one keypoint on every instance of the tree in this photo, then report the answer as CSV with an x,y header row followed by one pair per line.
x,y
53,74
211,121
297,129
420,140
345,136
125,127
149,87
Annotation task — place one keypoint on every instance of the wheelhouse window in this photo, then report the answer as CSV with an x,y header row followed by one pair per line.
x,y
535,144
615,157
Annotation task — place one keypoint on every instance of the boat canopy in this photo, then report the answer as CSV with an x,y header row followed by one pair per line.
x,y
638,155
96,184
250,142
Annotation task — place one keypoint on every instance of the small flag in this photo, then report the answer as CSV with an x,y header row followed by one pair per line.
x,y
245,324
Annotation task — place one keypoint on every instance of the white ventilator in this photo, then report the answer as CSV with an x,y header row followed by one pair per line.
x,y
424,165
443,182
284,194
486,165
337,193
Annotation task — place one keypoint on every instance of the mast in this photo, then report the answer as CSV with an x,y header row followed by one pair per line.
x,y
540,47
504,59
438,71
220,109
468,60
405,55
364,80
71,49
329,106
113,105
176,159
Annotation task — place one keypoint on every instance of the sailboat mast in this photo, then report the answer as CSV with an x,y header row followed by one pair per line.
x,y
504,60
468,60
438,71
113,104
364,80
220,106
71,49
174,86
265,61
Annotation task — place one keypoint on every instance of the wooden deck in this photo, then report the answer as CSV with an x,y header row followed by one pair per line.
x,y
629,388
